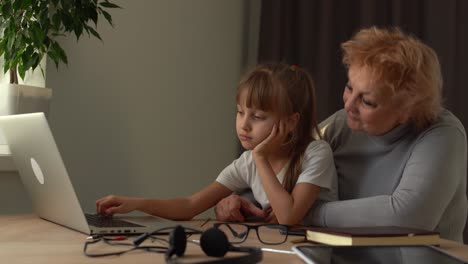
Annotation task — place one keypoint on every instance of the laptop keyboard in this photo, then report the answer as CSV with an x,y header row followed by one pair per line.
x,y
108,221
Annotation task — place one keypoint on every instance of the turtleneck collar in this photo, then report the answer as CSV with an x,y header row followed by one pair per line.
x,y
393,135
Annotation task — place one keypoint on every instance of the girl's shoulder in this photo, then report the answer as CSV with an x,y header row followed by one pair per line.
x,y
318,147
318,143
245,159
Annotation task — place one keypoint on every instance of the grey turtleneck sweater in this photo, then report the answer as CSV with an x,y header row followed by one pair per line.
x,y
402,178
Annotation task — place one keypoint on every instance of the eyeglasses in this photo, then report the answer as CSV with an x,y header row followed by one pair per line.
x,y
270,234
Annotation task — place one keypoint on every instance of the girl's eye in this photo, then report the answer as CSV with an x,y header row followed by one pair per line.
x,y
240,112
257,117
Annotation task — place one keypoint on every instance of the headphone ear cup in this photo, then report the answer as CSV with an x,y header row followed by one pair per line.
x,y
214,242
177,242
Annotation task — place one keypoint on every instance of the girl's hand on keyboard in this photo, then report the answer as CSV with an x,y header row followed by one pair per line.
x,y
113,204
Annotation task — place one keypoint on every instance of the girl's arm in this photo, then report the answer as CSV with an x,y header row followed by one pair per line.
x,y
176,208
289,209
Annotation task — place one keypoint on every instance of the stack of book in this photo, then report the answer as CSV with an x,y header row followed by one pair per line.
x,y
360,236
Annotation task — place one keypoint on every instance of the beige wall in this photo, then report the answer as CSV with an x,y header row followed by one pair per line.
x,y
150,110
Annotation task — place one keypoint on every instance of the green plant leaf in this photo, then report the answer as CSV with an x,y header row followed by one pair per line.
x,y
37,34
36,59
56,21
108,17
6,10
21,71
16,59
67,20
11,41
6,67
42,71
109,5
29,28
57,53
93,14
54,56
78,31
94,32
62,55
27,58
17,5
66,4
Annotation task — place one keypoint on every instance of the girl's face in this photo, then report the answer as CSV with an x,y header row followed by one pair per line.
x,y
365,112
252,125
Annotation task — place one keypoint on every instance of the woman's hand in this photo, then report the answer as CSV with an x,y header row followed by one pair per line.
x,y
272,143
113,204
235,208
270,216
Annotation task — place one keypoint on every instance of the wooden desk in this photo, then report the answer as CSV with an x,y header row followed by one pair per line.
x,y
28,239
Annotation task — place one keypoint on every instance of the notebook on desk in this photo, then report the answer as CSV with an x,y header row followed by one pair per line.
x,y
46,179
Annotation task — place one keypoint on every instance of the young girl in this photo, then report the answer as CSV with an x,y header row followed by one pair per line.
x,y
286,168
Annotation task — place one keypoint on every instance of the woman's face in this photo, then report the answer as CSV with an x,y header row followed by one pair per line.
x,y
364,110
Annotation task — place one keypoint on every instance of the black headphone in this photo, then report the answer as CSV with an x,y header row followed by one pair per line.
x,y
214,243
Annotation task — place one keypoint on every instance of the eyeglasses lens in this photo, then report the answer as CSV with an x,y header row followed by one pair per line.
x,y
272,234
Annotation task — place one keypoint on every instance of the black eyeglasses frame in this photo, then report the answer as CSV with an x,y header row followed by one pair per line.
x,y
283,230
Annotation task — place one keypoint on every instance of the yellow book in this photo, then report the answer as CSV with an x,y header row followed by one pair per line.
x,y
359,236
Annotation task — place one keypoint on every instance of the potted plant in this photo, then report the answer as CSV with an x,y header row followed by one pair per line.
x,y
28,31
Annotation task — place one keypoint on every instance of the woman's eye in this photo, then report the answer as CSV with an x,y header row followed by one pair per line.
x,y
348,87
257,117
368,103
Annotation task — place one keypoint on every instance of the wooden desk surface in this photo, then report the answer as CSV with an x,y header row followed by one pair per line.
x,y
29,239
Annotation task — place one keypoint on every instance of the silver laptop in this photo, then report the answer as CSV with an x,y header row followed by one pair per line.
x,y
45,178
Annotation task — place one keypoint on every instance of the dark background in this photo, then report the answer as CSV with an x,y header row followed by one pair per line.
x,y
309,33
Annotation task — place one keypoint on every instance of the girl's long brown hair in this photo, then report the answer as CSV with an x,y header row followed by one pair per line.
x,y
284,90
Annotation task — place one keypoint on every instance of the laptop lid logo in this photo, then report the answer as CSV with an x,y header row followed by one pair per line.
x,y
37,171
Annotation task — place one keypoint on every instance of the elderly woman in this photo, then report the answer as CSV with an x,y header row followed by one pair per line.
x,y
400,157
